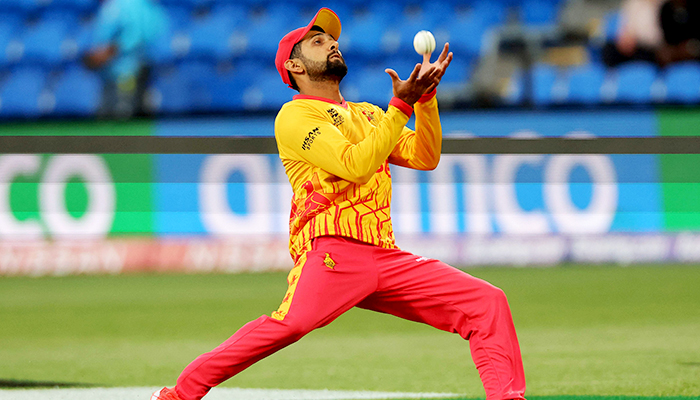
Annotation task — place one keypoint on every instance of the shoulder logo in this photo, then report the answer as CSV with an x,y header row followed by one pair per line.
x,y
329,261
335,115
310,138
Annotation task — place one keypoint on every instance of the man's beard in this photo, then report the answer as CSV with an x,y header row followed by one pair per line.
x,y
320,71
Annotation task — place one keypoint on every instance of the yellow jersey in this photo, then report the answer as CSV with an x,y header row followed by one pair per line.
x,y
337,158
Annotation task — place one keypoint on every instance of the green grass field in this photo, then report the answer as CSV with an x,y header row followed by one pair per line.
x,y
598,331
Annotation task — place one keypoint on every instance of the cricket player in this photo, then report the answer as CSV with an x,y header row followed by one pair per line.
x,y
337,156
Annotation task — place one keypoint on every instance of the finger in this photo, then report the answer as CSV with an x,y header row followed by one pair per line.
x,y
426,58
432,74
439,71
394,76
414,75
445,63
444,52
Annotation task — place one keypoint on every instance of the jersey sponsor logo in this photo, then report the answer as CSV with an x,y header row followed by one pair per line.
x,y
337,118
310,138
369,114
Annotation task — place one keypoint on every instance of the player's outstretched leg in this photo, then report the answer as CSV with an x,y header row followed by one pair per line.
x,y
437,294
321,288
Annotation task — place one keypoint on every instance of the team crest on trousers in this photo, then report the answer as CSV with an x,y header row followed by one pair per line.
x,y
329,261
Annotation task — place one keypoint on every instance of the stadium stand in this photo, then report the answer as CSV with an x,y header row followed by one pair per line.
x,y
683,83
77,80
217,55
585,83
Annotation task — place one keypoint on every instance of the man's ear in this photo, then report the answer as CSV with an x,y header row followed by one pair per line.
x,y
294,66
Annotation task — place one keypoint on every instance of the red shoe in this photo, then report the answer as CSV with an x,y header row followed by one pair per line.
x,y
165,394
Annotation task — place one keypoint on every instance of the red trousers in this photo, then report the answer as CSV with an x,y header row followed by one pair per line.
x,y
340,273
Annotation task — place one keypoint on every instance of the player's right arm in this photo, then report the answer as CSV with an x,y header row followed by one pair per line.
x,y
304,133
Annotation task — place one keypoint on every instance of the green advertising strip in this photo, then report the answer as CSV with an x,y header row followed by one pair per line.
x,y
133,179
136,127
680,173
130,175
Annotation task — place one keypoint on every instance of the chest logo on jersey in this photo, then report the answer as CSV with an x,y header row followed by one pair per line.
x,y
337,118
310,138
369,115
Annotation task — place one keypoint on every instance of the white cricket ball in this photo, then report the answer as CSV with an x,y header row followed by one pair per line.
x,y
424,42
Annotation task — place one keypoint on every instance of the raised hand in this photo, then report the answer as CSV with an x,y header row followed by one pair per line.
x,y
424,78
416,85
442,62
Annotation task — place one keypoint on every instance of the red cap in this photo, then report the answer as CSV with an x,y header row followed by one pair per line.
x,y
325,18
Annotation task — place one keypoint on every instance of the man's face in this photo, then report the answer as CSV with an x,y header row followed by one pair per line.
x,y
320,55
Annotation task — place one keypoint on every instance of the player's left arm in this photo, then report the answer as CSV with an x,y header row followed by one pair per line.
x,y
420,149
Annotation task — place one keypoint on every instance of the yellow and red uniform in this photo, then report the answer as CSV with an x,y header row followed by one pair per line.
x,y
337,159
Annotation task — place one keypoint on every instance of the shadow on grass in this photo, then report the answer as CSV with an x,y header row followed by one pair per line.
x,y
19,384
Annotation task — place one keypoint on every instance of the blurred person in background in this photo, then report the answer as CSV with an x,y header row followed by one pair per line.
x,y
123,31
680,22
639,37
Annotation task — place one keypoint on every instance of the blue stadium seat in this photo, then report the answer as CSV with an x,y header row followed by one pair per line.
x,y
79,7
457,73
190,4
78,93
198,77
24,7
362,37
9,29
544,78
169,93
465,34
683,82
634,82
179,16
19,96
489,12
436,13
262,34
169,47
267,92
82,37
539,13
44,42
399,37
585,83
210,36
228,89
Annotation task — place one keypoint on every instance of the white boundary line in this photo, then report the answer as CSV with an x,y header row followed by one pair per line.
x,y
144,393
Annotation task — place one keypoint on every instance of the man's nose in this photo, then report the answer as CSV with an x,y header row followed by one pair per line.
x,y
334,45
